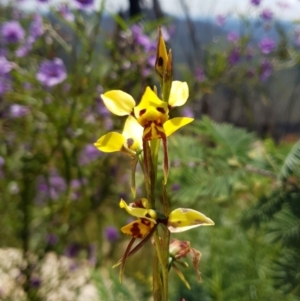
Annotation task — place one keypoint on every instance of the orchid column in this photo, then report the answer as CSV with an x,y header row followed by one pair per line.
x,y
147,124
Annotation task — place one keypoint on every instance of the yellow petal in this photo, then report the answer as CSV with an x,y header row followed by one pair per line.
x,y
161,55
139,228
151,108
118,102
183,219
148,214
111,142
179,94
133,134
172,125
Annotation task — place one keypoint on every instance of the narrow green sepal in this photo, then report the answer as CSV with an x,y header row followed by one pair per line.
x,y
133,169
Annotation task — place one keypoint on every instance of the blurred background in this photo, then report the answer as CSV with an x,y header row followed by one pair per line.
x,y
238,162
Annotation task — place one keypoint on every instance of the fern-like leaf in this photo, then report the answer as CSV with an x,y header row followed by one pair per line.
x,y
291,165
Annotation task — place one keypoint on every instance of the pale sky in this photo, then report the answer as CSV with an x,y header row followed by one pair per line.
x,y
282,9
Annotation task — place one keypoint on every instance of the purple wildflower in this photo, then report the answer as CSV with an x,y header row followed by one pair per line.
x,y
265,70
35,282
12,32
267,45
266,15
232,36
84,4
255,2
72,250
53,188
199,74
234,56
52,72
5,83
297,36
2,161
220,20
111,233
141,38
5,65
17,111
24,49
66,13
175,187
89,154
36,28
51,239
187,112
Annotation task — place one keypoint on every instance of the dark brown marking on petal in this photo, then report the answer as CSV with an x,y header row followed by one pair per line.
x,y
160,61
145,221
130,142
135,230
142,112
161,110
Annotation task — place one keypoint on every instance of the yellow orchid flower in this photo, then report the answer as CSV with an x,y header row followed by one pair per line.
x,y
179,220
151,113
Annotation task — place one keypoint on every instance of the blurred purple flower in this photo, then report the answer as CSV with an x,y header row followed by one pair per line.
x,y
72,250
266,15
2,161
42,1
297,36
52,239
76,185
36,28
12,32
92,254
255,2
199,74
265,70
53,187
232,36
234,56
35,282
175,187
141,38
24,49
187,112
89,154
66,13
5,65
52,72
84,4
17,111
5,83
267,45
220,20
27,86
111,233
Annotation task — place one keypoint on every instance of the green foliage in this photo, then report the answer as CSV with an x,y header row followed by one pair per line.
x,y
110,289
291,165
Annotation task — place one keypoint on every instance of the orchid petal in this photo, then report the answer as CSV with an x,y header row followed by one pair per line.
x,y
151,108
179,94
183,219
172,125
148,214
138,228
118,102
111,142
133,134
